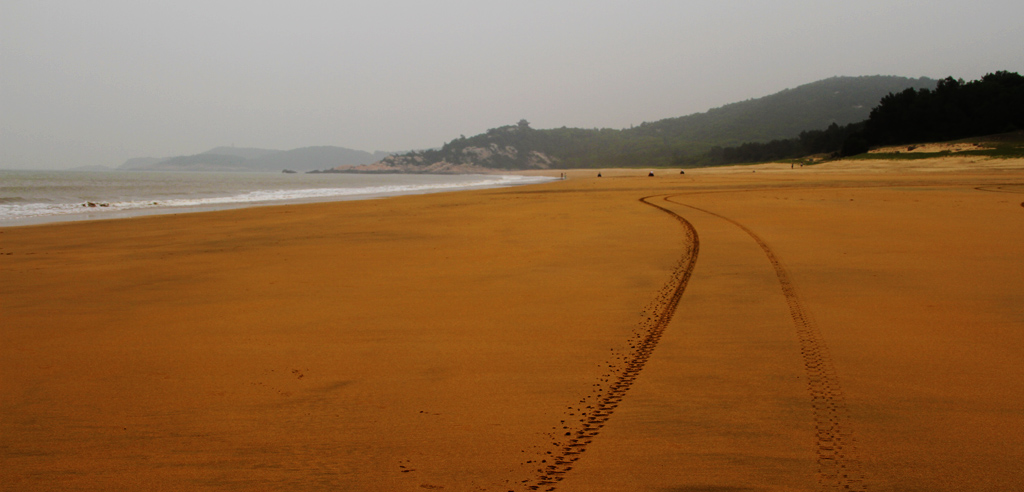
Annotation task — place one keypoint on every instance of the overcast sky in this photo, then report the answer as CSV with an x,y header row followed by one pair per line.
x,y
97,82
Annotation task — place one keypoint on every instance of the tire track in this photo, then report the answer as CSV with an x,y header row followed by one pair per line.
x,y
839,468
1001,189
583,421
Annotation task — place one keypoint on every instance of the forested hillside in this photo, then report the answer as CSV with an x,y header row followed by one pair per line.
x,y
668,142
953,110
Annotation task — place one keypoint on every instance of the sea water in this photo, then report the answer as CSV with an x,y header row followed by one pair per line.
x,y
32,197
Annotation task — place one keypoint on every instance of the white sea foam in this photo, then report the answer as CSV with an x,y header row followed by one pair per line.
x,y
15,210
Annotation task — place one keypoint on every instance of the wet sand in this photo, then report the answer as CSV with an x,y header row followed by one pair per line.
x,y
749,328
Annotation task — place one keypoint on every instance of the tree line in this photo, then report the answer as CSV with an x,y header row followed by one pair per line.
x,y
953,110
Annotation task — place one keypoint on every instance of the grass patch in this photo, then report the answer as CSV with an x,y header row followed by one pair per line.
x,y
1016,137
999,152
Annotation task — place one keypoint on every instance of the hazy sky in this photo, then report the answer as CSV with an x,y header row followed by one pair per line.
x,y
97,82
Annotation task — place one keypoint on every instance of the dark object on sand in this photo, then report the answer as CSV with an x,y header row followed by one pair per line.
x,y
650,173
683,171
599,175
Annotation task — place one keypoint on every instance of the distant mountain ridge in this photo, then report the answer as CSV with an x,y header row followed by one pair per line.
x,y
663,143
243,152
247,159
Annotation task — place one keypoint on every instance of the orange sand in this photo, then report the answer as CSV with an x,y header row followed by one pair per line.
x,y
446,342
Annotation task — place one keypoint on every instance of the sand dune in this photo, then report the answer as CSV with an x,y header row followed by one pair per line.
x,y
846,326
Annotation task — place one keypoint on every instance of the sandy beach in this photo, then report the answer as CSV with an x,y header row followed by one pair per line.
x,y
844,326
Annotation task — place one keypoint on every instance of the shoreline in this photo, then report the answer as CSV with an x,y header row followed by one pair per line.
x,y
104,210
950,164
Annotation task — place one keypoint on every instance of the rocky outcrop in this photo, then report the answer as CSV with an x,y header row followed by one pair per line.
x,y
474,159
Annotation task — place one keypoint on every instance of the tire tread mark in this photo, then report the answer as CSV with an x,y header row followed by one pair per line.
x,y
611,388
839,468
1001,189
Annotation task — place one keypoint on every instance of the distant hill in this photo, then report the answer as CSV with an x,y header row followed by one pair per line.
x,y
814,106
243,152
314,158
138,163
91,168
785,114
242,159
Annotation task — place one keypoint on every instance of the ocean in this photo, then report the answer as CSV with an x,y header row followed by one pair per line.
x,y
34,197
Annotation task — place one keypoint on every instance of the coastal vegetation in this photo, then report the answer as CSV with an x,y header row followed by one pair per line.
x,y
954,109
